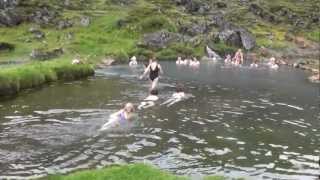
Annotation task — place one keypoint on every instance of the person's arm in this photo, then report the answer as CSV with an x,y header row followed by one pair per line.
x,y
241,58
145,71
160,68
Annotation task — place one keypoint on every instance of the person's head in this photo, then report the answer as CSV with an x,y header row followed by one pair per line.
x,y
179,88
154,92
272,59
179,58
239,50
133,58
129,107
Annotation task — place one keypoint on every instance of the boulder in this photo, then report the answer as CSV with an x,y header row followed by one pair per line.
x,y
221,4
160,39
37,33
193,6
236,36
64,24
6,46
43,16
262,13
10,17
193,29
85,21
39,54
4,4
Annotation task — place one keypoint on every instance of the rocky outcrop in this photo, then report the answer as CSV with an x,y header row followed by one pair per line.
x,y
43,16
193,6
159,39
236,36
4,4
264,14
193,29
39,54
10,17
6,46
64,24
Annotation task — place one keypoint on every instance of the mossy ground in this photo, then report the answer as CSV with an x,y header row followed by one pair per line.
x,y
127,172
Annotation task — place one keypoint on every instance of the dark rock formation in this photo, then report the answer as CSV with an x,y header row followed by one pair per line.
x,y
264,14
64,24
236,36
43,16
193,29
193,6
39,54
160,39
6,46
221,4
4,4
10,17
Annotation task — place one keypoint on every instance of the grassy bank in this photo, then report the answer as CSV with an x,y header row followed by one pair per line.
x,y
15,79
127,172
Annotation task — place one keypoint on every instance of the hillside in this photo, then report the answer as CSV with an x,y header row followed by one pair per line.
x,y
41,30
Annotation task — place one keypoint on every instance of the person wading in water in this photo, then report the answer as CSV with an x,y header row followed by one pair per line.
x,y
154,68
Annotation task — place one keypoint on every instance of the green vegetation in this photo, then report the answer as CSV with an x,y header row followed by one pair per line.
x,y
15,79
127,172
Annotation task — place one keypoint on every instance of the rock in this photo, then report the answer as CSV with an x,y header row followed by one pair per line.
x,y
43,16
64,24
6,46
160,39
193,29
122,23
236,36
220,4
262,13
10,17
4,4
193,6
37,33
85,21
216,20
39,54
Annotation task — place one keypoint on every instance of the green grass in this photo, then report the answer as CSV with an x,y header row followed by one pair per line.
x,y
15,79
126,172
314,35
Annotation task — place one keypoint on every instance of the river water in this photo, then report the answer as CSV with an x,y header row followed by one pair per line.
x,y
241,122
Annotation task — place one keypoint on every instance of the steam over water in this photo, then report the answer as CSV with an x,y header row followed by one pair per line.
x,y
242,122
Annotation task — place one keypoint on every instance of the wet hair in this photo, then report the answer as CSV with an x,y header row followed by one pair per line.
x,y
179,88
154,92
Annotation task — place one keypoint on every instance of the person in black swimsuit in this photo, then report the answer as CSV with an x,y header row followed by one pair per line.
x,y
154,68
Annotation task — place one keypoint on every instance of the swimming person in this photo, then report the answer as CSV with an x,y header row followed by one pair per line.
x,y
120,118
179,61
238,57
150,100
228,59
272,63
154,68
133,61
254,64
194,62
177,96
